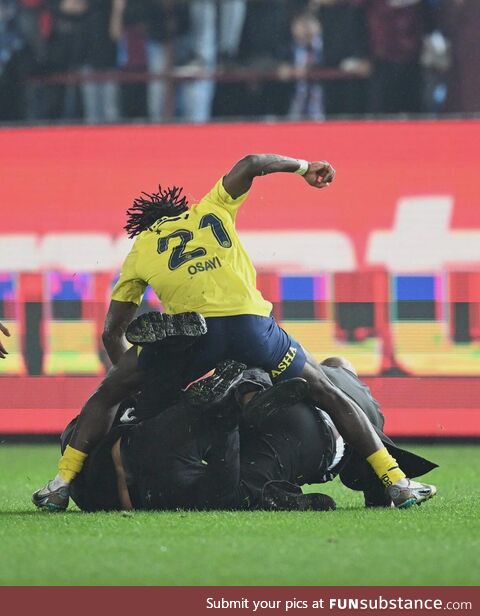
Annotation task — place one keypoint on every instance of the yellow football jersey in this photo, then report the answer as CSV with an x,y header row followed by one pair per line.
x,y
195,262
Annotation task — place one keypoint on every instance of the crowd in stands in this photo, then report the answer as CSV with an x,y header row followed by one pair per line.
x,y
104,61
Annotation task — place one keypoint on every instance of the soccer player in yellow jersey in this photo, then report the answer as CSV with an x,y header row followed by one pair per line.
x,y
195,262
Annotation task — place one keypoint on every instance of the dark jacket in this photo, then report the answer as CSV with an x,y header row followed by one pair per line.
x,y
95,487
355,472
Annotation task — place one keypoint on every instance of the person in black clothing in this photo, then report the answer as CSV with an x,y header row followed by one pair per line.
x,y
189,455
263,40
228,450
100,98
67,49
345,46
153,38
81,41
15,62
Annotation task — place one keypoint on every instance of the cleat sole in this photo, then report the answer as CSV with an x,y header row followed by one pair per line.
x,y
52,508
408,503
152,327
209,390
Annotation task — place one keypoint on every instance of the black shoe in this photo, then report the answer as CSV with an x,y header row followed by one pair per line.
x,y
153,327
267,403
286,496
216,388
285,501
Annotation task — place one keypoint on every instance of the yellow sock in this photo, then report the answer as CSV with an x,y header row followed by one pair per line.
x,y
385,467
71,463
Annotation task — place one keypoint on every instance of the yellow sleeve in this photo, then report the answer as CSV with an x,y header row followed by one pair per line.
x,y
218,197
129,287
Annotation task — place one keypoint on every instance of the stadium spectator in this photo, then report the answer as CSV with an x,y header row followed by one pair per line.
x,y
3,350
231,21
396,29
128,26
12,66
35,23
305,54
345,47
215,33
193,38
460,21
197,94
35,26
80,41
67,51
152,34
100,98
264,42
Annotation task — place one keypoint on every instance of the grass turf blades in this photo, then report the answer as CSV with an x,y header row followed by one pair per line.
x,y
435,544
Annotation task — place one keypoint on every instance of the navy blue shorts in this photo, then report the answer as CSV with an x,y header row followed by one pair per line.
x,y
250,339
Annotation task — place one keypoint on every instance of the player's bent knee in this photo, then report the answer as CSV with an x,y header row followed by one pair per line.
x,y
339,362
333,362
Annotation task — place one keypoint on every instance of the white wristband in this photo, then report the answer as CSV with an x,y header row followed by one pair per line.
x,y
303,168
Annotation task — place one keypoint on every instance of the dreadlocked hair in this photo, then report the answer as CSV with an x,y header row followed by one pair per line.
x,y
147,209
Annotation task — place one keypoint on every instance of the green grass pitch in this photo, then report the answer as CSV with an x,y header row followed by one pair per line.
x,y
435,544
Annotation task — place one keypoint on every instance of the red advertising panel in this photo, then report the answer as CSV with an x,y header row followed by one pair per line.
x,y
382,267
83,179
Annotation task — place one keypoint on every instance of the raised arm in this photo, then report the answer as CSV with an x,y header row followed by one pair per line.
x,y
239,179
117,320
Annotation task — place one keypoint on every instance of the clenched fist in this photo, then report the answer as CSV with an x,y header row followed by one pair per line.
x,y
319,174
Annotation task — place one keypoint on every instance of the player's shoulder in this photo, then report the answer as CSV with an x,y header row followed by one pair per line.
x,y
215,195
219,199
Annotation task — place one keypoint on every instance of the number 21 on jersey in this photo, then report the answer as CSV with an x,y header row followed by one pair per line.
x,y
180,254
